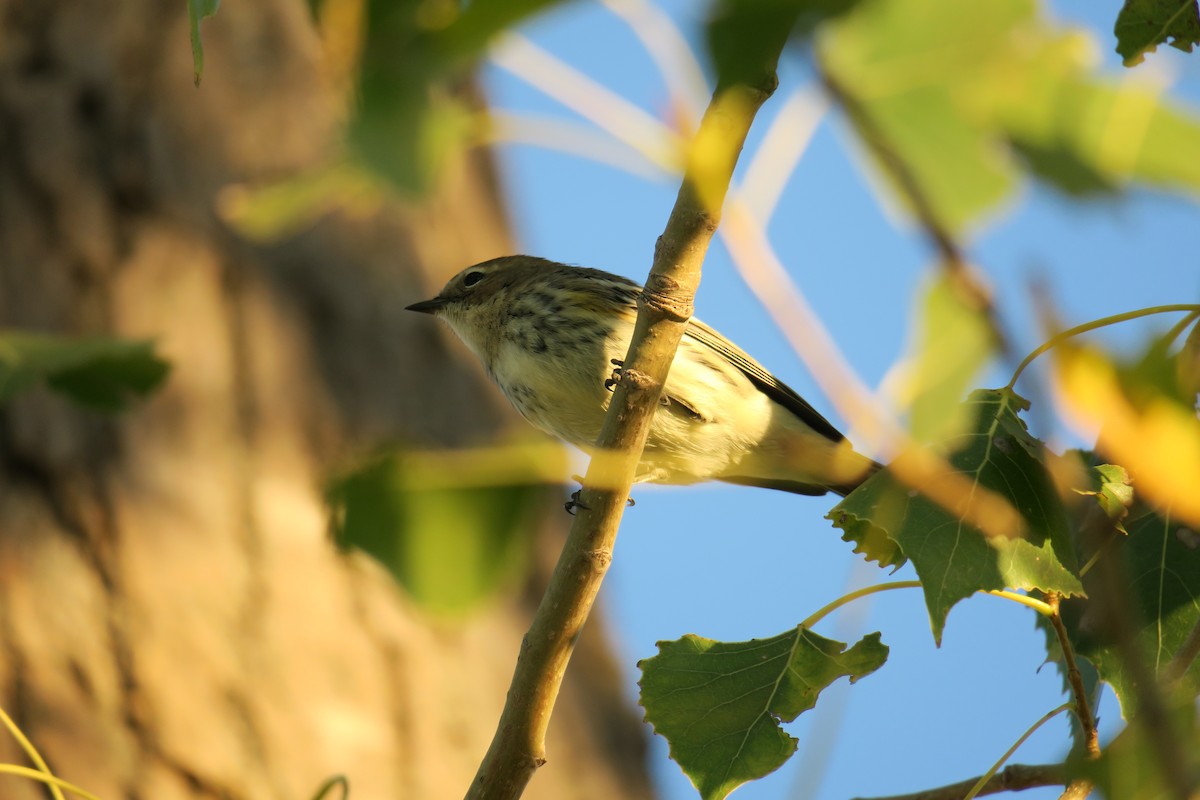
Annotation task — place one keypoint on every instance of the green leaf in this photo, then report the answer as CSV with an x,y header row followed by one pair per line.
x,y
741,31
101,373
720,704
1161,560
1130,767
953,558
1143,25
1113,490
408,120
953,343
450,538
198,10
966,95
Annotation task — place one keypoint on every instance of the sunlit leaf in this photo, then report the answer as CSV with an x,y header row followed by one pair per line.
x,y
1142,419
1143,25
101,373
198,10
1113,490
453,528
720,704
952,344
953,558
964,95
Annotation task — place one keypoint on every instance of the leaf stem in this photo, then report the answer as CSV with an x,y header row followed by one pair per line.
x,y
1083,707
1096,324
987,776
1037,605
30,751
828,609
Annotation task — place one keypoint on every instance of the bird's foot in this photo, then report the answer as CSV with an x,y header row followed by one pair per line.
x,y
611,383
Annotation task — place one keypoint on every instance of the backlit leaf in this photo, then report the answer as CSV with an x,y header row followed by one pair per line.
x,y
953,558
720,704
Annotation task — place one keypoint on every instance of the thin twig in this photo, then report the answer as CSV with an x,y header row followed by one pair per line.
x,y
518,747
1012,778
1083,705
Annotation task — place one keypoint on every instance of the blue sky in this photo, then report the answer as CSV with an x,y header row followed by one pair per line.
x,y
736,563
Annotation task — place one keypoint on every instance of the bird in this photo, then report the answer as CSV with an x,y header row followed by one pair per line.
x,y
550,335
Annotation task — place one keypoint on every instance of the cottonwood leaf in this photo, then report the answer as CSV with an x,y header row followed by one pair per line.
x,y
407,120
953,558
970,97
1146,420
452,530
98,372
720,704
1142,25
951,344
1160,558
1130,767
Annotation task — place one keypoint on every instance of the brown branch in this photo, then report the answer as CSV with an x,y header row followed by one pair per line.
x,y
1083,706
1012,778
967,284
518,747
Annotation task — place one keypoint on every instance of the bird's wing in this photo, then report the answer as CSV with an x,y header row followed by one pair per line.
x,y
767,383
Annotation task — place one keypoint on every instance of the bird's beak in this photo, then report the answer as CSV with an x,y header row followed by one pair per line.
x,y
428,306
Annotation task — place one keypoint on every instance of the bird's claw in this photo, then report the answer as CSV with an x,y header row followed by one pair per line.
x,y
574,503
611,383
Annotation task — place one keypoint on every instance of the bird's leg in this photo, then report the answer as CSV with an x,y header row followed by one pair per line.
x,y
611,383
574,503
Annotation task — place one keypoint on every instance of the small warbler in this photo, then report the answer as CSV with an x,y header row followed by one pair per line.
x,y
550,334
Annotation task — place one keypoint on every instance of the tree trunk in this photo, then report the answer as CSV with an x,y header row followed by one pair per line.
x,y
174,622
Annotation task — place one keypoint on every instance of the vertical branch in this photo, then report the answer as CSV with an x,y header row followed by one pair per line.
x,y
518,747
1083,707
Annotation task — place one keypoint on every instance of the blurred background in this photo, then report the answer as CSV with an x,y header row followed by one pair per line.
x,y
175,618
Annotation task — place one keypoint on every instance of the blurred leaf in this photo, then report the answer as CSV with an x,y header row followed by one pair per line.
x,y
953,343
272,211
1187,367
1143,25
954,559
963,94
1129,768
741,31
1060,165
1161,557
101,373
720,704
408,121
453,530
198,10
1146,420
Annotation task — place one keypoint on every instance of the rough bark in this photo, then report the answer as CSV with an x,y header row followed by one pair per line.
x,y
174,622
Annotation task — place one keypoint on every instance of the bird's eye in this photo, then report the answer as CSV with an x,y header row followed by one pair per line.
x,y
473,278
